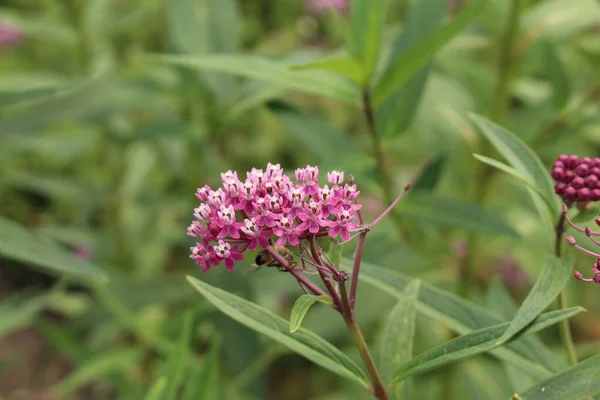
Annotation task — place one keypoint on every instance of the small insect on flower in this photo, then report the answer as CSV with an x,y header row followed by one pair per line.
x,y
266,259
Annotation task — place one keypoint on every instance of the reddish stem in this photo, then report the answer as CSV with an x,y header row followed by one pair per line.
x,y
301,278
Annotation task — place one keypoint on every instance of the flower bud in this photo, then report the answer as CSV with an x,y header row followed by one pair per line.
x,y
588,231
583,194
578,275
557,173
559,188
578,183
571,241
582,170
569,193
568,176
573,162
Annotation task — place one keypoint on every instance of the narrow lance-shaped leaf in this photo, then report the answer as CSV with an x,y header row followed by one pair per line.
x,y
316,82
157,389
561,88
474,343
460,315
554,277
301,306
520,156
177,359
367,19
455,213
303,341
499,300
397,340
18,243
395,115
429,176
576,383
345,66
419,55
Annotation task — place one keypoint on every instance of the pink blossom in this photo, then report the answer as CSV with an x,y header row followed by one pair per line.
x,y
286,231
342,225
322,6
10,35
269,207
224,252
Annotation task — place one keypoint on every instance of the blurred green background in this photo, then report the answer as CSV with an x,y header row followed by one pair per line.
x,y
103,142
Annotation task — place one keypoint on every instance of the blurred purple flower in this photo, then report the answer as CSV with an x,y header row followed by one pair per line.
x,y
511,273
318,7
83,252
10,35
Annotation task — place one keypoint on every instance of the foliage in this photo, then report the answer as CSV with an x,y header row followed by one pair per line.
x,y
113,113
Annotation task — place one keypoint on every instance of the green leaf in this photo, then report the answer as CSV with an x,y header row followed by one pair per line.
x,y
120,361
396,114
460,315
415,58
177,359
455,213
367,19
398,335
429,176
303,342
17,313
553,65
316,82
327,144
335,254
301,306
157,389
499,300
575,383
203,385
344,66
511,171
585,215
554,277
18,243
10,98
521,157
476,342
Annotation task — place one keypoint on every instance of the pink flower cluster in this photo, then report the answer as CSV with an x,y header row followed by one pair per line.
x,y
10,35
319,7
577,179
269,206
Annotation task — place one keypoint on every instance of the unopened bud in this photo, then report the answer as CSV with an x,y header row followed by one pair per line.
x,y
578,275
588,231
571,241
407,187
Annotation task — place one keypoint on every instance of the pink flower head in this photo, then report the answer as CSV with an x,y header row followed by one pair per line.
x,y
224,252
226,221
10,35
286,231
257,236
335,178
204,256
342,224
311,217
274,209
318,7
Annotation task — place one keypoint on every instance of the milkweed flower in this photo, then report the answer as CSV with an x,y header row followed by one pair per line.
x,y
10,35
318,7
269,207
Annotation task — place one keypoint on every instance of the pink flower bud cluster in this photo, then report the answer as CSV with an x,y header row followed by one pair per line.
x,y
319,7
577,179
269,206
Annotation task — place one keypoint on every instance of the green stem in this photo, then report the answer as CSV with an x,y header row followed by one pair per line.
x,y
381,163
378,388
498,111
564,326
